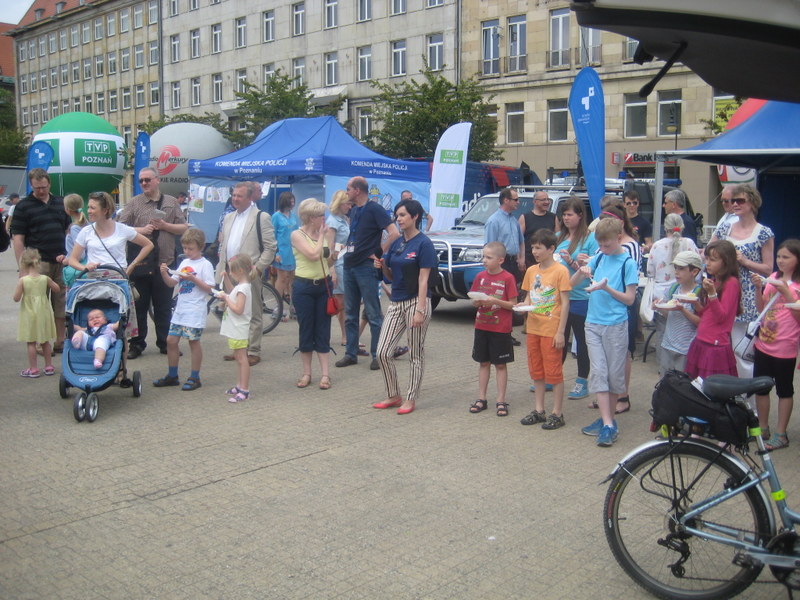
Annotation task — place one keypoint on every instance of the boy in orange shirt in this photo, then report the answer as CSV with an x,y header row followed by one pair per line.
x,y
547,290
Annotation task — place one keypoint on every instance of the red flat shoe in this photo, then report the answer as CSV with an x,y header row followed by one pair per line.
x,y
388,404
405,411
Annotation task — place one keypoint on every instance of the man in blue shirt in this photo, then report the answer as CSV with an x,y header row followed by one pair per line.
x,y
504,227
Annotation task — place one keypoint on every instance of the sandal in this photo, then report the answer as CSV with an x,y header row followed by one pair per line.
x,y
240,396
533,418
325,382
502,409
51,370
626,401
191,384
304,380
765,433
478,406
593,404
777,441
234,390
30,373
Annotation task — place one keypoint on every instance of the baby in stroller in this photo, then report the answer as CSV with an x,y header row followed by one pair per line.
x,y
99,335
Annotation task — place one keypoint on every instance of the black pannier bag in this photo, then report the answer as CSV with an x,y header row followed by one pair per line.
x,y
675,397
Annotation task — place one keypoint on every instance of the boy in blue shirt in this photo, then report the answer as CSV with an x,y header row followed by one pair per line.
x,y
615,277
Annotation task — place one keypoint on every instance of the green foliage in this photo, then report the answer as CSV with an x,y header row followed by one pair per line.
x,y
412,115
13,141
724,110
281,98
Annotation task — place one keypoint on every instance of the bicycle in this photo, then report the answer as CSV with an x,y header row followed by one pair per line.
x,y
689,518
271,302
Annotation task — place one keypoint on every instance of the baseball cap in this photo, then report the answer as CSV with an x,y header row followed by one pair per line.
x,y
687,258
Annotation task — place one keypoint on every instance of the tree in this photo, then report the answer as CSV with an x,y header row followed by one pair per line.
x,y
412,115
282,98
13,141
722,115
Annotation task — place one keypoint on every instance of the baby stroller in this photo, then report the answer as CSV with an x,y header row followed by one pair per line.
x,y
106,288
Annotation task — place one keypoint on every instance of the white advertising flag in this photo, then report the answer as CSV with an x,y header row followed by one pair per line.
x,y
447,180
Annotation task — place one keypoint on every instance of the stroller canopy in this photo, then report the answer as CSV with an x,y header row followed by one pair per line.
x,y
117,291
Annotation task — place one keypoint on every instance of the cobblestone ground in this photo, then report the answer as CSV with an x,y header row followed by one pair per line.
x,y
304,493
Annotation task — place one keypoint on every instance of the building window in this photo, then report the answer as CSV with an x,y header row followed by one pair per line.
x,y
54,76
43,79
331,13
101,103
155,93
35,114
298,71
42,45
65,74
87,104
557,118
54,109
216,38
515,123
25,121
76,104
86,32
432,3
195,91
87,68
194,43
126,98
268,23
126,135
99,32
153,52
175,48
491,47
176,94
73,36
174,9
216,87
635,116
517,44
112,63
138,56
125,59
112,101
436,51
669,113
299,18
139,95
629,47
364,10
138,21
62,40
23,84
559,38
152,12
64,106
398,57
194,4
398,7
589,51
331,68
241,81
124,20
76,72
269,72
99,65
45,113
240,32
365,63
22,52
364,123
111,24
51,43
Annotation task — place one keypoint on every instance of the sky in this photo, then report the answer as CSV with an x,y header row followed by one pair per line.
x,y
11,11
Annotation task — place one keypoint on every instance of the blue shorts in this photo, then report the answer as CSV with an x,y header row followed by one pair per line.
x,y
190,333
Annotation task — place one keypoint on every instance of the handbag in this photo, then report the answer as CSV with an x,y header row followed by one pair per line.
x,y
331,306
745,347
646,311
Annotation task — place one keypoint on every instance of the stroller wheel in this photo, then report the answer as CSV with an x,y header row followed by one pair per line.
x,y
62,387
79,407
92,406
137,384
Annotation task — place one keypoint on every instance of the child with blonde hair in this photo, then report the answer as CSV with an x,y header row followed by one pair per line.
x,y
235,326
73,206
36,321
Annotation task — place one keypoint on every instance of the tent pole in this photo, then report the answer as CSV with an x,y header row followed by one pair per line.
x,y
659,195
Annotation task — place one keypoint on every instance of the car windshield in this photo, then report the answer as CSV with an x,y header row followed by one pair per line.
x,y
481,211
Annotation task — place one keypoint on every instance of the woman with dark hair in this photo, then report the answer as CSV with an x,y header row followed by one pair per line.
x,y
575,244
755,245
284,222
407,264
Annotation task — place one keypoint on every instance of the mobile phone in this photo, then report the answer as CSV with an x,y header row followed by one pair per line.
x,y
159,214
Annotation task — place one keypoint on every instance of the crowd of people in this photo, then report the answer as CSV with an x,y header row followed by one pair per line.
x,y
569,277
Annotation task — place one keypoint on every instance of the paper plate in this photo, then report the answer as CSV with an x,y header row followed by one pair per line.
x,y
479,296
596,285
685,298
793,305
665,305
526,308
772,281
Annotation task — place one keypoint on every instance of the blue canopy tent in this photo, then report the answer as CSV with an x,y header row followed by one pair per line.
x,y
769,141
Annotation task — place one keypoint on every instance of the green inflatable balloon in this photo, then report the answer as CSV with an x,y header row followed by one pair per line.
x,y
89,154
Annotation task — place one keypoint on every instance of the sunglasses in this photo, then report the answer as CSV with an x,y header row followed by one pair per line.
x,y
739,200
145,179
631,204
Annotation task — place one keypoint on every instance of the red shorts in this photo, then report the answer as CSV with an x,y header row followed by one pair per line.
x,y
544,359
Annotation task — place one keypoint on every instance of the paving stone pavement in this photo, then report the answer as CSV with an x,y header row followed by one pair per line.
x,y
304,493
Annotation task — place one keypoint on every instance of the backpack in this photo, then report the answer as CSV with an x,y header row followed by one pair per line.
x,y
5,239
675,397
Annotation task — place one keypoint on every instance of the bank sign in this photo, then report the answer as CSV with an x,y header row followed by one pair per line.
x,y
95,153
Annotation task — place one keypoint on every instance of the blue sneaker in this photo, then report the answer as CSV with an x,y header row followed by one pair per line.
x,y
596,427
548,387
607,437
581,390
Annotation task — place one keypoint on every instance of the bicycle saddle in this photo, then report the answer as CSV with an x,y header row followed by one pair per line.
x,y
725,387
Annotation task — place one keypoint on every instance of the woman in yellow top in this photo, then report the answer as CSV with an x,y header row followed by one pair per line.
x,y
311,247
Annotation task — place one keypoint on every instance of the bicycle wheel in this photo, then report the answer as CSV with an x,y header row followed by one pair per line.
x,y
273,307
654,550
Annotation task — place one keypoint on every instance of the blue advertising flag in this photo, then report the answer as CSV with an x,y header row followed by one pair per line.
x,y
40,155
589,121
140,160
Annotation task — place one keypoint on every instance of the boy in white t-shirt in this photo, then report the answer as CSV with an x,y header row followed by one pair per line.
x,y
195,276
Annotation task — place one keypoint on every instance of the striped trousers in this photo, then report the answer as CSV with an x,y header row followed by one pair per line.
x,y
396,322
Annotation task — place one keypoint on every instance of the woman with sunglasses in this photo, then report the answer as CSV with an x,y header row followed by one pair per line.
x,y
755,245
728,216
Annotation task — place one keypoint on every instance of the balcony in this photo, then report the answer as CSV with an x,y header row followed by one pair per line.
x,y
516,64
558,59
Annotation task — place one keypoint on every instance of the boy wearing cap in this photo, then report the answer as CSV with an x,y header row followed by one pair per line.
x,y
682,321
